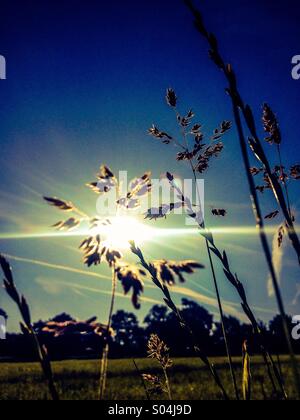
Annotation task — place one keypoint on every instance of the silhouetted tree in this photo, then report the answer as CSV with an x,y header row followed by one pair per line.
x,y
237,333
277,337
164,323
157,320
130,338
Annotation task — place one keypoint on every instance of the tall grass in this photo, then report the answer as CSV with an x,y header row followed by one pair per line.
x,y
246,373
240,108
183,123
199,157
27,327
95,249
150,268
162,272
159,351
104,360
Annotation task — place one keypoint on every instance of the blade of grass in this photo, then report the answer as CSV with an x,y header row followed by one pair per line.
x,y
236,283
256,147
212,268
142,380
170,303
105,353
255,142
246,374
23,307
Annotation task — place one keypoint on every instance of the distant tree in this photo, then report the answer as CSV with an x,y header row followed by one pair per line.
x,y
277,336
157,321
165,324
201,323
130,338
237,333
197,317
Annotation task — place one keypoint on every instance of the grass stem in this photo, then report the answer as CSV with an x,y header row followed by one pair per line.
x,y
105,353
238,105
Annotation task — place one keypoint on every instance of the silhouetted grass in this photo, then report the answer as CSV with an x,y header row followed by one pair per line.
x,y
242,110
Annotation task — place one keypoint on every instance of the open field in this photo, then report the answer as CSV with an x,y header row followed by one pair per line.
x,y
78,380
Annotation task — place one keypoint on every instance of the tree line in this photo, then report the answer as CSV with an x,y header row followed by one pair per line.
x,y
66,338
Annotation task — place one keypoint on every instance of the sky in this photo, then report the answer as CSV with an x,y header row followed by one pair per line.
x,y
85,81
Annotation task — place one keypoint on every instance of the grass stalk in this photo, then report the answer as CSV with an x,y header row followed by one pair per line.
x,y
220,306
170,303
238,105
246,111
265,244
167,384
105,353
213,272
234,280
284,181
27,327
142,380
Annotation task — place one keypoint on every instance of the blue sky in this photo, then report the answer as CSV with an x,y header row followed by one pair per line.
x,y
85,80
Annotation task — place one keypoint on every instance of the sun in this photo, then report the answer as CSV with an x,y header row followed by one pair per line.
x,y
124,229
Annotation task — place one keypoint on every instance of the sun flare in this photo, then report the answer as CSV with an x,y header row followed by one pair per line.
x,y
122,230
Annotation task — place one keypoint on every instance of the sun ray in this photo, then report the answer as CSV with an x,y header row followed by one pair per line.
x,y
100,291
230,308
137,229
56,267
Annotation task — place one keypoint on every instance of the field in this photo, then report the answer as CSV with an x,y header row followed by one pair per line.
x,y
78,380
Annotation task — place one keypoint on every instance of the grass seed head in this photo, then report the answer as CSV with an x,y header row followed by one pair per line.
x,y
159,351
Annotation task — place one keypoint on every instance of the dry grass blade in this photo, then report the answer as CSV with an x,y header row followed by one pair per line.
x,y
94,252
246,373
295,172
156,387
105,352
144,379
272,215
170,303
131,280
163,211
281,233
161,135
171,98
168,270
106,181
271,125
59,204
198,157
240,107
68,225
138,188
27,327
236,283
254,141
